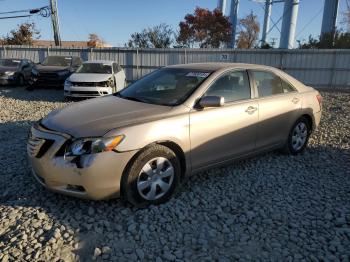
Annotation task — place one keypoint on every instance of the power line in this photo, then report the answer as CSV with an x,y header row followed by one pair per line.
x,y
311,20
17,16
33,10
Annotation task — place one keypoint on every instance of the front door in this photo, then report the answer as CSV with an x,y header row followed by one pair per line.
x,y
221,133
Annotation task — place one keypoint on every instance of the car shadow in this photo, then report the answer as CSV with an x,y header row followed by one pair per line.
x,y
21,93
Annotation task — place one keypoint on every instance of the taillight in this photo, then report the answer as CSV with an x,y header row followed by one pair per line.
x,y
319,99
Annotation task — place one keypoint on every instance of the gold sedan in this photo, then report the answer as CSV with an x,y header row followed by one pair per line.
x,y
141,142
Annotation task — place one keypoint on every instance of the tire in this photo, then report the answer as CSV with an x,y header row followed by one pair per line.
x,y
20,81
152,167
298,137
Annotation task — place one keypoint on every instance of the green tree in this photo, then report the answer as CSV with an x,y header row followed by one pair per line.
x,y
338,40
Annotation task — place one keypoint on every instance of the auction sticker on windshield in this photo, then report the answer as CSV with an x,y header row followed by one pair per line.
x,y
198,74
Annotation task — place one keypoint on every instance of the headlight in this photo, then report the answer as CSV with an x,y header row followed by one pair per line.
x,y
35,72
108,83
9,73
67,82
62,73
93,145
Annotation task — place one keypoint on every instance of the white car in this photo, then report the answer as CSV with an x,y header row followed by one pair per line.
x,y
95,78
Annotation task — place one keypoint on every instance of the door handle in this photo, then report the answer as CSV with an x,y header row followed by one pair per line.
x,y
251,109
295,100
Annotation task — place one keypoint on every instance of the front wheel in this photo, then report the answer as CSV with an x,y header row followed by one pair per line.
x,y
20,80
152,177
298,137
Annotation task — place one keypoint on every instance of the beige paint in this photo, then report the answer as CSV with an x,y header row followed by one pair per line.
x,y
207,137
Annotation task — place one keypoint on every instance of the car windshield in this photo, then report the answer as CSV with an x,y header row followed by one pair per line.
x,y
57,61
167,86
10,62
95,68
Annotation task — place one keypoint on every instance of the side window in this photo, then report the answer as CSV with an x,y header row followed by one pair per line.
x,y
24,64
268,84
77,61
287,88
233,86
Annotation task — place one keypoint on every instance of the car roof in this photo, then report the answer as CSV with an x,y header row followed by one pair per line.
x,y
109,62
217,66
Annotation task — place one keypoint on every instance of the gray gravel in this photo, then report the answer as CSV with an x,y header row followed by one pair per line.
x,y
272,207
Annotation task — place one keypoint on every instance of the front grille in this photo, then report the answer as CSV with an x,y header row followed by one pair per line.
x,y
95,93
37,147
34,145
90,84
48,75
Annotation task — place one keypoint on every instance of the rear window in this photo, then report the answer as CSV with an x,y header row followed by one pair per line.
x,y
10,62
57,61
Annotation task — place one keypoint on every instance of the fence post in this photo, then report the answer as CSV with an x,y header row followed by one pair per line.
x,y
4,51
334,63
48,51
281,59
91,53
137,63
185,55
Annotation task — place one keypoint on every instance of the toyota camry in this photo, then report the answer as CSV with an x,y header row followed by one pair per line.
x,y
143,141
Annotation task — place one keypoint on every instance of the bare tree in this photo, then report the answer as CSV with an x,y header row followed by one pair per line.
x,y
249,33
94,40
160,36
23,35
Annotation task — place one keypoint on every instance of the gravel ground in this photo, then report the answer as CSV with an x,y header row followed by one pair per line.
x,y
272,207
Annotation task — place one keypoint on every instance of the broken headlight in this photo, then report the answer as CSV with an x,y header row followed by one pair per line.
x,y
85,146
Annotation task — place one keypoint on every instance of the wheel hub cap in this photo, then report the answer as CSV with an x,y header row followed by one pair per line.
x,y
155,178
299,136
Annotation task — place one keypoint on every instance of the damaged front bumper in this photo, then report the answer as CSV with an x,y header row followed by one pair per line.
x,y
95,176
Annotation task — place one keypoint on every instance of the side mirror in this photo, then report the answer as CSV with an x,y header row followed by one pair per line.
x,y
211,101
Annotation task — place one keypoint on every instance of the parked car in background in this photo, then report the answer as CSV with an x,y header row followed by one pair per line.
x,y
15,71
95,78
179,120
54,71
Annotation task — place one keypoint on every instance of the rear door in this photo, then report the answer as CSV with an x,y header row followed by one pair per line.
x,y
226,132
279,108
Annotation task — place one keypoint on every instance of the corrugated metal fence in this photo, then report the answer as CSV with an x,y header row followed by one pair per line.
x,y
319,68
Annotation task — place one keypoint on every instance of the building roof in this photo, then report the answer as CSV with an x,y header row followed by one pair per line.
x,y
49,43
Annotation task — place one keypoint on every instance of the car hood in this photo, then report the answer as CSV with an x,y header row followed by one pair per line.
x,y
42,68
89,77
7,69
95,117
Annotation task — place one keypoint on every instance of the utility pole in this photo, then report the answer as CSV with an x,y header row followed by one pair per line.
x,y
268,4
329,21
222,6
233,20
289,22
55,24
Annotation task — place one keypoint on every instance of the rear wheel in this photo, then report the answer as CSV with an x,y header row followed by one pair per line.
x,y
298,137
152,177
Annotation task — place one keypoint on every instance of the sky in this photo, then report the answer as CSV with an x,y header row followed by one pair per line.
x,y
116,20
